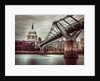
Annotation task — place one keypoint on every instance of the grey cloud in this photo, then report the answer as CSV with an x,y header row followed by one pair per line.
x,y
42,24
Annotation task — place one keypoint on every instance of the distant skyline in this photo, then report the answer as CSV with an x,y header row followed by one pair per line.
x,y
42,25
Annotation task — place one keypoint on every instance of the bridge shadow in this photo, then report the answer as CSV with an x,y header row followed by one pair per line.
x,y
71,61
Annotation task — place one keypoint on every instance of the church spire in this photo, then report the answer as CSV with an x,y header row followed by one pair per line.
x,y
32,26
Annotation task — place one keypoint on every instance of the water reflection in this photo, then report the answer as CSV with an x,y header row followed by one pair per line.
x,y
47,60
71,61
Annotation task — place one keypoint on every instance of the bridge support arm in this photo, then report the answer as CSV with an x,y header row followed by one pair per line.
x,y
65,34
76,34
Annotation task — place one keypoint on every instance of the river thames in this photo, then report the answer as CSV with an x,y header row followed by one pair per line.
x,y
49,59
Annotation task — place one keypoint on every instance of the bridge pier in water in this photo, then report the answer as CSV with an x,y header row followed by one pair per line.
x,y
41,51
71,49
70,45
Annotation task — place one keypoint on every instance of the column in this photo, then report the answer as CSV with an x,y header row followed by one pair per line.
x,y
70,49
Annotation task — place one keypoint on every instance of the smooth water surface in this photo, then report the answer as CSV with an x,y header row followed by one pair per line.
x,y
28,59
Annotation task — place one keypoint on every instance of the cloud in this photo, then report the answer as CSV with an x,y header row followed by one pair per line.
x,y
42,24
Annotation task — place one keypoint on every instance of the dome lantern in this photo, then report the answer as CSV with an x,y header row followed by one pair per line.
x,y
32,31
32,26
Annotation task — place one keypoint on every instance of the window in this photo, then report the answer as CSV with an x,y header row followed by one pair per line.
x,y
32,37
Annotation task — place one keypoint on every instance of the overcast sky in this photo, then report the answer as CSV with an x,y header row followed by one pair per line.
x,y
42,25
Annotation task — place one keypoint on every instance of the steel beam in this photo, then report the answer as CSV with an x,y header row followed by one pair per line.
x,y
76,34
62,26
76,20
65,34
67,23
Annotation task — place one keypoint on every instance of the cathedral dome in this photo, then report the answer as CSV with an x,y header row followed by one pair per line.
x,y
32,31
32,35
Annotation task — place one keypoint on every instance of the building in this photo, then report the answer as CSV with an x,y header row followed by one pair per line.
x,y
39,40
55,46
59,45
32,35
80,45
31,44
24,46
